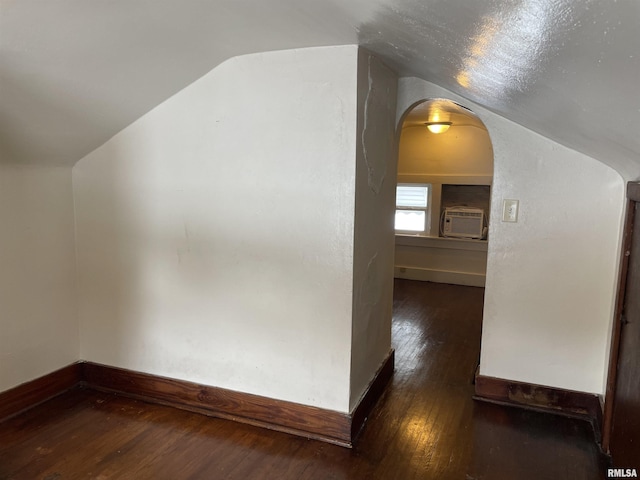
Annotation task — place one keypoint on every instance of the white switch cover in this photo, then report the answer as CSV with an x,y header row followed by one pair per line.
x,y
510,210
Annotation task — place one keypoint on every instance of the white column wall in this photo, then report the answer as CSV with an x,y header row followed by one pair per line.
x,y
215,234
374,217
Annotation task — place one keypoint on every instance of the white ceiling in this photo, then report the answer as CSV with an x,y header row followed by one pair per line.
x,y
75,72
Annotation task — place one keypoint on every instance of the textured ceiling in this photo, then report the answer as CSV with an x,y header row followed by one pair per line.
x,y
75,72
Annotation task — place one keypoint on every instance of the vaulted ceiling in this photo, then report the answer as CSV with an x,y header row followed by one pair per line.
x,y
75,72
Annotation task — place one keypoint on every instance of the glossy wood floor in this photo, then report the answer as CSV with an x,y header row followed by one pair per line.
x,y
425,427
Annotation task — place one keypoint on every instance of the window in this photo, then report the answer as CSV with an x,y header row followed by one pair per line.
x,y
412,201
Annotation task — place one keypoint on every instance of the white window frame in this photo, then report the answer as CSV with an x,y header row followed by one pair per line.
x,y
426,209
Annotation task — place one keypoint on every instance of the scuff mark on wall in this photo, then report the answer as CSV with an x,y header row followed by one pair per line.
x,y
376,158
370,293
182,251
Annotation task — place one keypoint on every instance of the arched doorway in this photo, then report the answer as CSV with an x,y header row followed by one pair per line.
x,y
445,172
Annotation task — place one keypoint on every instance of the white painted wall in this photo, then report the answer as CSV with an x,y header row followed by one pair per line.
x,y
215,234
38,326
550,277
374,233
442,260
460,151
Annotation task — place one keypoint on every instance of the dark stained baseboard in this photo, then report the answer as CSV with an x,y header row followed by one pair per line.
x,y
30,394
303,420
537,397
371,396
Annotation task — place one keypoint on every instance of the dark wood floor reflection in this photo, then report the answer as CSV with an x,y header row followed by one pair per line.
x,y
425,427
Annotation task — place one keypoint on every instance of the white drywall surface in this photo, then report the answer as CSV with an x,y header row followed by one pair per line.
x,y
38,325
215,234
374,232
461,151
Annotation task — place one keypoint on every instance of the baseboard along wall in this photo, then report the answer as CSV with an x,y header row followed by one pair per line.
x,y
302,420
35,392
587,406
440,276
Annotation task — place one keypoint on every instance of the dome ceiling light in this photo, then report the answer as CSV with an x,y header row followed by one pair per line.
x,y
438,127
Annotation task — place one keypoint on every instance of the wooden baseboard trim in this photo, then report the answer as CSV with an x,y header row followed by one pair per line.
x,y
302,420
371,396
570,403
30,394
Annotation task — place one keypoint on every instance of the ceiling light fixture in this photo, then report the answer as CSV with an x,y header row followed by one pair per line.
x,y
438,127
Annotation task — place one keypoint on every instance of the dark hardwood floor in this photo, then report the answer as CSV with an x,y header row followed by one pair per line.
x,y
426,425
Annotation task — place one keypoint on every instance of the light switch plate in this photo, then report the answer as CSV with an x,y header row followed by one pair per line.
x,y
510,210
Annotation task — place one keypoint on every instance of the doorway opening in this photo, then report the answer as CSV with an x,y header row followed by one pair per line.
x,y
443,198
445,172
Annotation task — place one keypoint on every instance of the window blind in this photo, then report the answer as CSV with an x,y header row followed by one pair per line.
x,y
411,196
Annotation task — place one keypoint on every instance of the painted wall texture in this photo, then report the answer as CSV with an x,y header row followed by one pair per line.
x,y
38,325
551,276
216,233
433,259
461,151
374,210
215,242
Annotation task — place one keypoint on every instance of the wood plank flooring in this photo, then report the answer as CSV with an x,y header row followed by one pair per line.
x,y
426,425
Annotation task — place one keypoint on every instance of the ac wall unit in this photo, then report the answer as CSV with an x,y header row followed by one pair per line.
x,y
463,222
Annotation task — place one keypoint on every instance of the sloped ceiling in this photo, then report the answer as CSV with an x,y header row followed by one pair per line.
x,y
75,72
